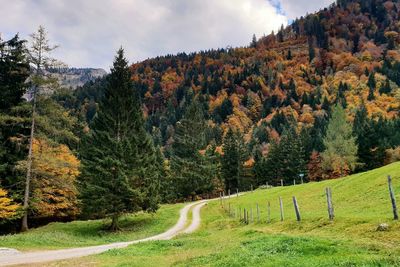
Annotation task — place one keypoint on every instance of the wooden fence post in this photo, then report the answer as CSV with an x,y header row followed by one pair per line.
x,y
294,181
251,188
269,212
240,213
296,209
251,215
220,198
281,182
392,198
237,192
229,209
330,205
247,215
281,208
258,213
229,193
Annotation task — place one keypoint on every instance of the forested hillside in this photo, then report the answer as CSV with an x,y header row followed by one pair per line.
x,y
266,107
318,99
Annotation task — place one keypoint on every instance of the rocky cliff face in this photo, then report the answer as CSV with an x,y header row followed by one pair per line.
x,y
74,77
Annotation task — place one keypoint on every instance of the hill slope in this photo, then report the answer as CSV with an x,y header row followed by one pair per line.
x,y
346,53
361,202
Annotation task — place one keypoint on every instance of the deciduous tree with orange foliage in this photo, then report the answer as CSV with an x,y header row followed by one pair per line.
x,y
8,209
54,170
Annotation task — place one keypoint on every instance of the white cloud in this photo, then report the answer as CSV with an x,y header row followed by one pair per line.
x,y
297,8
89,32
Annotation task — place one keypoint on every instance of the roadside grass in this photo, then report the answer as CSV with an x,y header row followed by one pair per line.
x,y
226,242
88,233
361,202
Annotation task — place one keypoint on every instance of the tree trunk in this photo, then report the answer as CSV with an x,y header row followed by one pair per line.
x,y
114,223
24,226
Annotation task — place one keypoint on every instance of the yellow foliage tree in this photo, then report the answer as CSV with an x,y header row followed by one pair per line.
x,y
55,169
7,208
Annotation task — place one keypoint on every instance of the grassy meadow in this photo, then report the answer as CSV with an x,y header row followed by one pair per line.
x,y
360,201
88,233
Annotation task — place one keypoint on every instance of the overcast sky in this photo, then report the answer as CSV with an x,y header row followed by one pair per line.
x,y
90,31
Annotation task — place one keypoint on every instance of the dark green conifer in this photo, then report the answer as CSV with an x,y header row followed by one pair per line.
x,y
191,169
119,172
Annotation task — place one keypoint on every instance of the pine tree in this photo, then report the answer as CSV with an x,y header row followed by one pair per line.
x,y
311,49
289,55
191,169
340,155
386,88
232,160
292,154
362,132
14,70
253,43
356,43
292,90
286,159
119,170
371,85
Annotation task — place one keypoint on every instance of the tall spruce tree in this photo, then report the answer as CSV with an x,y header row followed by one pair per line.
x,y
192,170
232,160
371,85
340,155
14,70
286,159
119,163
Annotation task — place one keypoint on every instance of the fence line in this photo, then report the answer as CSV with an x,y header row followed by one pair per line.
x,y
247,216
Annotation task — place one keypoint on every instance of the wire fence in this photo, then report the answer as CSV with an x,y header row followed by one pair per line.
x,y
252,213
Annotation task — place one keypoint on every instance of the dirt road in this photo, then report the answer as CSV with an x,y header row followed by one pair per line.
x,y
62,254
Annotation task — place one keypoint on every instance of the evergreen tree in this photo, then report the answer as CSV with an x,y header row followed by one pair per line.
x,y
292,154
340,155
280,34
311,49
292,90
119,167
364,136
385,89
371,85
253,43
191,169
232,160
356,43
289,55
14,70
286,159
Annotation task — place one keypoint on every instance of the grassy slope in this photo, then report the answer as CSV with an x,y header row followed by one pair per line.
x,y
87,233
361,202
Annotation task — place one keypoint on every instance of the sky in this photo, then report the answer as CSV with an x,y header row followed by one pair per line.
x,y
89,32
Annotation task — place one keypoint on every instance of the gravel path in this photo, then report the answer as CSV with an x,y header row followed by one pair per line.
x,y
62,254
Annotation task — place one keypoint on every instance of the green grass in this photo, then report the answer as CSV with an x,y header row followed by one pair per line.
x,y
88,233
361,202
